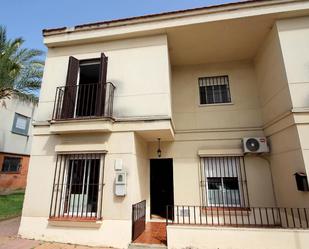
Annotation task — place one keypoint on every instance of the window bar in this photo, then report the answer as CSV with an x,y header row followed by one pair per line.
x,y
86,171
81,169
202,180
90,185
221,163
51,203
241,187
183,213
204,85
177,215
57,188
240,180
62,186
228,88
226,163
234,173
102,164
96,184
66,185
72,185
246,182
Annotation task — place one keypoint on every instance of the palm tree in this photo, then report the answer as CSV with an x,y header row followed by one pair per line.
x,y
21,69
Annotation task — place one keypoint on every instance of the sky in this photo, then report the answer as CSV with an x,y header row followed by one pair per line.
x,y
27,18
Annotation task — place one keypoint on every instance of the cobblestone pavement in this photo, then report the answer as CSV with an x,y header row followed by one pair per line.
x,y
10,240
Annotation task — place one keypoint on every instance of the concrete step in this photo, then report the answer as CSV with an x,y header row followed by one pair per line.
x,y
146,246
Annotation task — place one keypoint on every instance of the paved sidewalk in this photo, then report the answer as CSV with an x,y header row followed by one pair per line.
x,y
10,240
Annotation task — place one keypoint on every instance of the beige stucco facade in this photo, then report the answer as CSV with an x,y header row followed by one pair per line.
x,y
155,66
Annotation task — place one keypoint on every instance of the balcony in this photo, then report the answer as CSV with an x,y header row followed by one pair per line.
x,y
85,107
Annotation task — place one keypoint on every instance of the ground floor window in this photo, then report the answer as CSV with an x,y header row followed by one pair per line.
x,y
11,164
78,186
223,181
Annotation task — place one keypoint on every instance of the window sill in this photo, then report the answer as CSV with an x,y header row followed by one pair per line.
x,y
75,222
10,173
216,104
19,133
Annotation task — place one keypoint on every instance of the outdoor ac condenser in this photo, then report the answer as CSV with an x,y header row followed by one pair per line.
x,y
255,145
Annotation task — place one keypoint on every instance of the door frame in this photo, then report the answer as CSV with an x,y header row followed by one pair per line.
x,y
172,164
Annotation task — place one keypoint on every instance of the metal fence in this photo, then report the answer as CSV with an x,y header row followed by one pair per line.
x,y
267,217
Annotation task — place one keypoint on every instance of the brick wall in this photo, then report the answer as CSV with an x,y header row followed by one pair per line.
x,y
14,180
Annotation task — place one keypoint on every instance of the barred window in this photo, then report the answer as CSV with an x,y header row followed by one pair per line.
x,y
224,181
78,186
11,164
214,90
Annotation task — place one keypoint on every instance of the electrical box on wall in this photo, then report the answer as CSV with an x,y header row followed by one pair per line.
x,y
301,181
121,183
118,164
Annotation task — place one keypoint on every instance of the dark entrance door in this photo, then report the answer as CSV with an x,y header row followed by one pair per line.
x,y
161,186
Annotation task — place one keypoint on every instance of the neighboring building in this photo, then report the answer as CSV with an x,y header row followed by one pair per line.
x,y
15,142
187,86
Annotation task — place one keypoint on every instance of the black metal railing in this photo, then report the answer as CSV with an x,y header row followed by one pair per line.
x,y
138,219
267,217
84,101
78,187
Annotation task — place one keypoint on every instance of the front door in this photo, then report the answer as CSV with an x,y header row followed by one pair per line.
x,y
161,186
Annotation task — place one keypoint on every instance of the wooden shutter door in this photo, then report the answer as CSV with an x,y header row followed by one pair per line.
x,y
70,89
101,93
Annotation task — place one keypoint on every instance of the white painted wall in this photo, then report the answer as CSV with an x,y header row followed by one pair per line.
x,y
10,142
179,237
139,68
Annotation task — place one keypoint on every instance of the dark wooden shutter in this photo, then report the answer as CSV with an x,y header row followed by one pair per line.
x,y
70,89
101,93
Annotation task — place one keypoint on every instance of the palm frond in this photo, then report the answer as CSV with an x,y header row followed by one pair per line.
x,y
21,69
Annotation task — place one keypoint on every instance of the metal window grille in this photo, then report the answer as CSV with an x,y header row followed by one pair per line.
x,y
214,90
11,164
223,181
78,186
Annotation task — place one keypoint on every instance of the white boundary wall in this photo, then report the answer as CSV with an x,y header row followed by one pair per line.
x,y
179,237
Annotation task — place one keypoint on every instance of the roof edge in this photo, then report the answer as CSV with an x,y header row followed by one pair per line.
x,y
137,19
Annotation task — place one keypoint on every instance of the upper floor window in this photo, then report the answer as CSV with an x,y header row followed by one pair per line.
x,y
11,164
214,90
20,124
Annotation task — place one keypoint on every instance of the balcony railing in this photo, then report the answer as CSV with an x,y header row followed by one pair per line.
x,y
258,217
84,101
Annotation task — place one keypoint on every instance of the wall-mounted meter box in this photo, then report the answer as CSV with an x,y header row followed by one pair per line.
x,y
118,164
121,183
301,181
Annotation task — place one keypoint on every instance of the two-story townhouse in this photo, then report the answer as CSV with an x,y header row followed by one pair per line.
x,y
144,118
16,116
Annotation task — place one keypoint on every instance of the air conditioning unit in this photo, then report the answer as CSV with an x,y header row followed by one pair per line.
x,y
255,145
